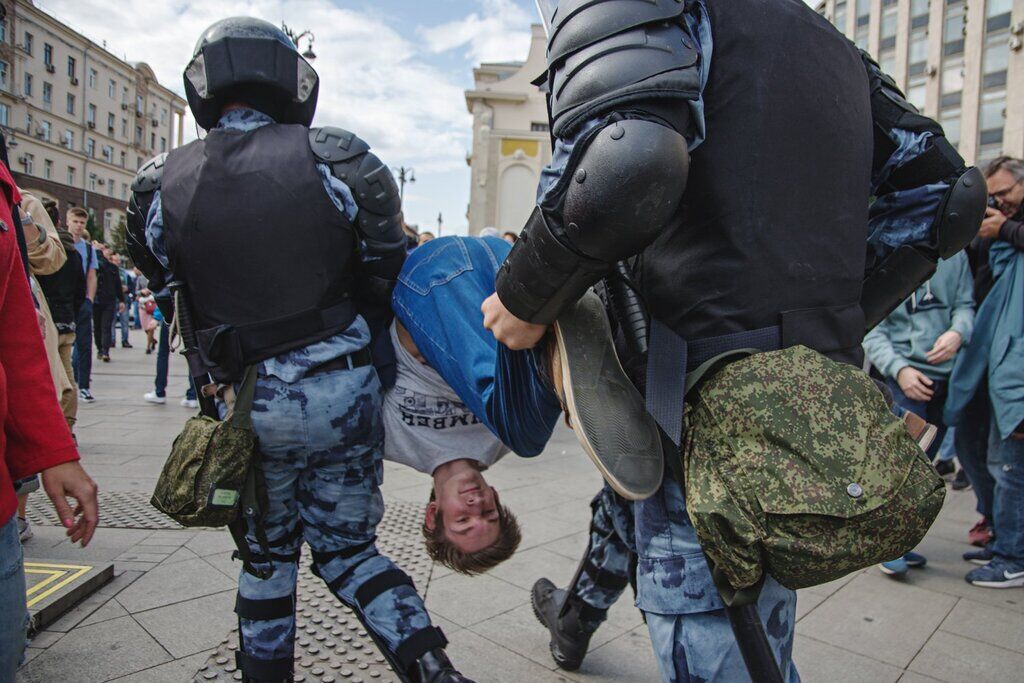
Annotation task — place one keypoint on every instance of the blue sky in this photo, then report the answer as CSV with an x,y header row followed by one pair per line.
x,y
392,71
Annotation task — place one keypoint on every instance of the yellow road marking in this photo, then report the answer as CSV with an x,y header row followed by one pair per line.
x,y
59,575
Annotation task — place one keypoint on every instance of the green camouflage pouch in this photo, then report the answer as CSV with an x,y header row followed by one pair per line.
x,y
795,466
203,479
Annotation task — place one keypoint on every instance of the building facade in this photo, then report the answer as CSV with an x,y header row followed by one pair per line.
x,y
958,61
511,143
78,120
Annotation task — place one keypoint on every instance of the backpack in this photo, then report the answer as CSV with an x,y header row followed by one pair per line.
x,y
795,466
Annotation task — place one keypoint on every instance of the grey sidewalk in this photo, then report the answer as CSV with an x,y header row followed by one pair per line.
x,y
169,607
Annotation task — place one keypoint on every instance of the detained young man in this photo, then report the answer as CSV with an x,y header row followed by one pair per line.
x,y
462,401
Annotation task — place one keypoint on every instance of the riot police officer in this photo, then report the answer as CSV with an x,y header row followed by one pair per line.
x,y
285,241
703,160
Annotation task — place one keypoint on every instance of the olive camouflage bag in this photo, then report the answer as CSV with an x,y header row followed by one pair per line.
x,y
203,480
795,466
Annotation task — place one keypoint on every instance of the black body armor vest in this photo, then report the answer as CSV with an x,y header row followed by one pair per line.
x,y
775,213
266,256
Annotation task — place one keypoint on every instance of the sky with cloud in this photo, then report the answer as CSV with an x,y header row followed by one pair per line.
x,y
392,71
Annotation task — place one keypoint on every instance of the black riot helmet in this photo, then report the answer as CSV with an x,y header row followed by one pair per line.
x,y
250,60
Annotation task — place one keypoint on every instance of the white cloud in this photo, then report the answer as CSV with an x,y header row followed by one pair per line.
x,y
499,32
371,80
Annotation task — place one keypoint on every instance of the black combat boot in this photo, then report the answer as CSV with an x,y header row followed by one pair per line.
x,y
562,614
435,667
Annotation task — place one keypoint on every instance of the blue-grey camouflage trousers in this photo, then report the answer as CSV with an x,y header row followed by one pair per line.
x,y
321,441
690,632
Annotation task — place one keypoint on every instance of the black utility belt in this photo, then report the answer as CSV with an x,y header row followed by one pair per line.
x,y
350,361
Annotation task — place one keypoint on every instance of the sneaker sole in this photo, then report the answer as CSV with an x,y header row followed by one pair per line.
x,y
1011,583
608,414
890,572
980,563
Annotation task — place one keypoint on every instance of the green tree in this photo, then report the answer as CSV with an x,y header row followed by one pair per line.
x,y
118,240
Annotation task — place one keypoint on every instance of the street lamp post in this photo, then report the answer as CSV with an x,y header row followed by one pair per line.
x,y
440,222
405,175
296,37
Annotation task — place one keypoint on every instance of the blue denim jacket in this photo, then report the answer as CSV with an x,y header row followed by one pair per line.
x,y
437,299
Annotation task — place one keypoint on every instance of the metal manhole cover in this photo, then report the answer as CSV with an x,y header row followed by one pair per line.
x,y
118,510
331,646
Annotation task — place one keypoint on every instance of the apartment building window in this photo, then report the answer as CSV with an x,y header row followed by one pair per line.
x,y
163,116
919,10
45,129
840,17
152,140
995,60
30,163
140,106
92,182
138,135
918,52
950,121
112,89
48,56
138,163
29,40
124,128
111,187
90,116
69,138
28,85
163,145
110,123
71,175
90,147
3,75
5,115
47,96
48,169
71,103
3,31
124,97
124,190
28,123
124,159
92,78
108,154
863,12
72,67
953,28
916,91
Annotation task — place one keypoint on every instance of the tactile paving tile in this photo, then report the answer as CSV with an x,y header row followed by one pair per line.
x,y
118,510
331,646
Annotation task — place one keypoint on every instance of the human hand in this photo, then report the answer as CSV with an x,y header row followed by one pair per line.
x,y
514,333
120,307
915,384
945,347
990,225
71,480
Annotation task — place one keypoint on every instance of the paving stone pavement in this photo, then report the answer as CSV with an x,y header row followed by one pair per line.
x,y
168,609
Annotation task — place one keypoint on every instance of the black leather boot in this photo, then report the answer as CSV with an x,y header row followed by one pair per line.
x,y
435,667
561,613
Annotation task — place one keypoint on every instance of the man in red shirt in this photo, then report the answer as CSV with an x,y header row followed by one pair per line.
x,y
34,438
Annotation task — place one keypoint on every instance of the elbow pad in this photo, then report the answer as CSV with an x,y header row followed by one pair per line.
x,y
617,198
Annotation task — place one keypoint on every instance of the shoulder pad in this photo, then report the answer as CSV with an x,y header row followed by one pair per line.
x,y
579,23
149,176
332,145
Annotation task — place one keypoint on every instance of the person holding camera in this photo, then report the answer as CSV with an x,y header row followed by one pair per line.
x,y
985,400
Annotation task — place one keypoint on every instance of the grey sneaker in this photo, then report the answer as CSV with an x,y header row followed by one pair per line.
x,y
607,413
24,529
